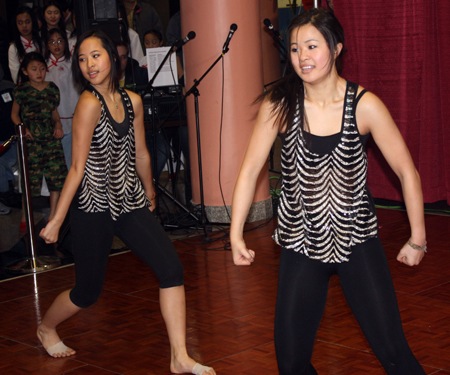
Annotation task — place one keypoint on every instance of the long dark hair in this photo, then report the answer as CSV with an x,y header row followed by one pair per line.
x,y
63,34
61,23
110,48
28,58
288,92
35,31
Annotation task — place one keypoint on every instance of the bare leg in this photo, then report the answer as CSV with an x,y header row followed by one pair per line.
x,y
54,198
61,309
173,308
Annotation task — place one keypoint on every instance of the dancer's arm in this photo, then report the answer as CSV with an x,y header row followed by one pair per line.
x,y
85,119
261,141
373,116
143,166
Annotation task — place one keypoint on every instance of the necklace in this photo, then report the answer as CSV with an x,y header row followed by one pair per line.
x,y
114,101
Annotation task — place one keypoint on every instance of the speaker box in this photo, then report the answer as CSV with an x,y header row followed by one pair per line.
x,y
101,14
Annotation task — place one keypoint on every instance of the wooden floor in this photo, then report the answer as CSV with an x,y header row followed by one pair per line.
x,y
230,313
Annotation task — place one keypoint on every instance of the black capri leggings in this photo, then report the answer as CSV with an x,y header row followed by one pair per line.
x,y
93,235
368,288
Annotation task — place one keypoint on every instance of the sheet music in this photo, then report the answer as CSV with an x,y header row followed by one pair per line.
x,y
168,74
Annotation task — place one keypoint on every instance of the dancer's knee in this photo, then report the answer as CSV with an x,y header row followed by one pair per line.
x,y
84,299
172,276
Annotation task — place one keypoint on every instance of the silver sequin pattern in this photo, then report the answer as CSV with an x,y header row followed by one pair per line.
x,y
324,208
110,182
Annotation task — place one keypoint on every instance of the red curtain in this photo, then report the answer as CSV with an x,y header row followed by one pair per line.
x,y
400,50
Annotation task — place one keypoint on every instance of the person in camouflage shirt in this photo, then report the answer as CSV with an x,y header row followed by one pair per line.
x,y
35,104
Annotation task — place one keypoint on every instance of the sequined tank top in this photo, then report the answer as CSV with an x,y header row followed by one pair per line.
x,y
110,182
324,207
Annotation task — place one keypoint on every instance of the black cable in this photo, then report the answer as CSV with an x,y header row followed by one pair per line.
x,y
220,139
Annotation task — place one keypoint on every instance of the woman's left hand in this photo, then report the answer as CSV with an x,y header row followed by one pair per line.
x,y
410,256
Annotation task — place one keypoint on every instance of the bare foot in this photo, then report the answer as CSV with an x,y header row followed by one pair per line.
x,y
53,344
188,365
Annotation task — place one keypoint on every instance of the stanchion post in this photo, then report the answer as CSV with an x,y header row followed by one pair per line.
x,y
32,263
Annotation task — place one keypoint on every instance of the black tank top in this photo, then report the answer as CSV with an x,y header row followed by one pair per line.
x,y
325,207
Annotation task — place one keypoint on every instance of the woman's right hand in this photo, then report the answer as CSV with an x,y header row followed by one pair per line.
x,y
241,255
51,232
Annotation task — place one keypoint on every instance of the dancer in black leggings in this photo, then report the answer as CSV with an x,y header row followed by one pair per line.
x,y
109,190
327,222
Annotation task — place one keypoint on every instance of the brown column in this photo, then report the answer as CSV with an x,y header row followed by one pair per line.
x,y
243,73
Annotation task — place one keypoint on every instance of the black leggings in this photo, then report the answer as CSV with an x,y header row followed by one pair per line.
x,y
368,288
93,235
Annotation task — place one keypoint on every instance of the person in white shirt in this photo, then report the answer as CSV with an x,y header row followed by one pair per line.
x,y
26,39
59,66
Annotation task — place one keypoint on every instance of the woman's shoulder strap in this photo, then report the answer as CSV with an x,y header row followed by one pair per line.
x,y
355,88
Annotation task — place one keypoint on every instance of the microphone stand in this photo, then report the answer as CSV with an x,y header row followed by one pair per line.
x,y
194,90
151,90
32,263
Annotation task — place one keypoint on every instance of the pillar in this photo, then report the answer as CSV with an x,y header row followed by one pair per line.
x,y
224,138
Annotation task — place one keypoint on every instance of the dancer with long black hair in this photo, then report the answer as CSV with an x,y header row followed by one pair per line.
x,y
109,191
326,217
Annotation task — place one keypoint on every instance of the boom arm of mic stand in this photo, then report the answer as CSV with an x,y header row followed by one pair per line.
x,y
150,83
190,91
282,47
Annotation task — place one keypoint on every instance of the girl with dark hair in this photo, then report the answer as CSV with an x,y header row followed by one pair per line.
x,y
56,45
109,191
35,104
59,69
26,39
153,39
326,217
53,18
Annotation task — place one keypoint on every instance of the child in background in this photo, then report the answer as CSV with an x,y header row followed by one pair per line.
x,y
53,18
152,39
35,104
59,68
26,39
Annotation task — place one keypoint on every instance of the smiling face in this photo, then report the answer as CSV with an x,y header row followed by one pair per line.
x,y
35,72
56,45
24,25
94,62
52,16
310,54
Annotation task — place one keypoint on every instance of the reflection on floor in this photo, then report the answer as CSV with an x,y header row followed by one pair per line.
x,y
230,312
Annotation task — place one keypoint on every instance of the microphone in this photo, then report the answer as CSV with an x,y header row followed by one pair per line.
x,y
178,43
233,28
270,26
